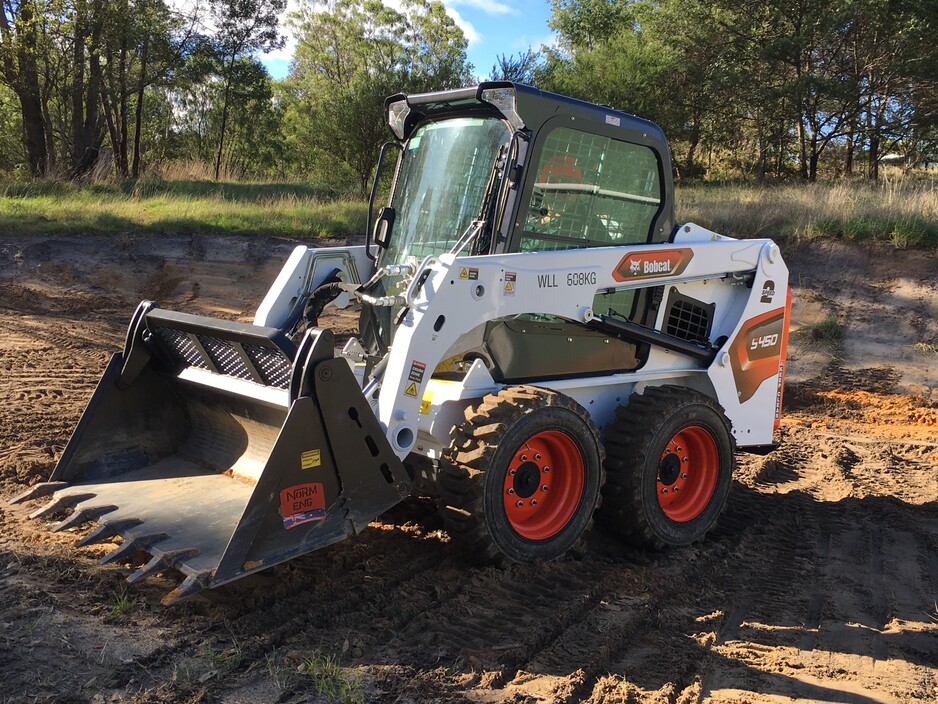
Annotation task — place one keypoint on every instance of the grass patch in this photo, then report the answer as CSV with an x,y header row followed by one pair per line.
x,y
926,348
317,673
178,208
827,333
330,680
903,213
121,603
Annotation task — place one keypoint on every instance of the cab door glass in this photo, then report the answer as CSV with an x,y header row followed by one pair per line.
x,y
591,190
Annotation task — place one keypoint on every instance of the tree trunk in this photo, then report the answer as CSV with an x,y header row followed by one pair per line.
x,y
873,171
802,149
78,86
34,132
93,98
123,163
138,108
29,93
224,118
848,154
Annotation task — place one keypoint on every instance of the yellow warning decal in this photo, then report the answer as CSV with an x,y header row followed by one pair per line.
x,y
310,459
426,403
464,273
510,278
411,389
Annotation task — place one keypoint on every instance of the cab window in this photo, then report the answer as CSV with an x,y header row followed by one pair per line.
x,y
591,191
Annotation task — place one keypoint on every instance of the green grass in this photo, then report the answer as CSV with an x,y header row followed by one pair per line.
x,y
330,680
177,207
121,603
827,333
902,213
318,673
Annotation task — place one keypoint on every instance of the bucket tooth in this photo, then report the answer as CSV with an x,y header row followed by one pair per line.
x,y
190,586
60,503
131,546
107,530
83,515
161,562
38,491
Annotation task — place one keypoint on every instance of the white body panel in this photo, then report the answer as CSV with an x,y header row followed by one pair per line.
x,y
461,293
304,270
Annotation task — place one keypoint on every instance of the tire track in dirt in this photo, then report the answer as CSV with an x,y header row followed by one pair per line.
x,y
501,619
817,602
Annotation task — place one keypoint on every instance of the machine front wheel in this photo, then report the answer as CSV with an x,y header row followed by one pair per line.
x,y
522,476
669,461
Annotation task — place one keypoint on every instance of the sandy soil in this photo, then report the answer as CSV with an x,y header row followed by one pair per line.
x,y
820,583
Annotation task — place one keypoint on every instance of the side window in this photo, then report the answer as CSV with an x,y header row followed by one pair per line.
x,y
591,191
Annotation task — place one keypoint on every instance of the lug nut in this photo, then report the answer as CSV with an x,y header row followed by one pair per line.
x,y
537,457
685,459
676,488
678,448
534,502
664,491
546,469
544,488
511,491
511,472
684,475
524,458
520,504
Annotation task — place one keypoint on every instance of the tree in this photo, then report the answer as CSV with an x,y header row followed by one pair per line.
x,y
352,54
19,49
522,67
244,27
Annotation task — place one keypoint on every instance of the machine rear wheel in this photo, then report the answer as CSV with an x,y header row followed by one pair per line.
x,y
522,476
669,461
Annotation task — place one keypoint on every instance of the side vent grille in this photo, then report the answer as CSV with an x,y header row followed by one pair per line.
x,y
688,318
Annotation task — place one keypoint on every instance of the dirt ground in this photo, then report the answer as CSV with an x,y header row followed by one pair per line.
x,y
820,583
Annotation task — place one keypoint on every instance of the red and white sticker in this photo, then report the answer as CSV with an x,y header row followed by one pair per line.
x,y
653,265
301,504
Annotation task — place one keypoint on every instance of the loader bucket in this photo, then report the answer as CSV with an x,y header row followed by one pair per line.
x,y
221,449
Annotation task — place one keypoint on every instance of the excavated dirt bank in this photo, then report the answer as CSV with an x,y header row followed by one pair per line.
x,y
820,583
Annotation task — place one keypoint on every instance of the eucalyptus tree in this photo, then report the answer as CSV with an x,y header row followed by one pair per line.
x,y
351,55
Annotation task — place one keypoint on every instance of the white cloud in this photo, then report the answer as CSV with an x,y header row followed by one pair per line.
x,y
491,7
289,46
472,36
525,42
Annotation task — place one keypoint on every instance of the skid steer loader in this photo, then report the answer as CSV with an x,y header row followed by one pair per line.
x,y
537,337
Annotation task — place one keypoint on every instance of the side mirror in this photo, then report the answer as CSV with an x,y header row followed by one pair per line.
x,y
383,226
369,228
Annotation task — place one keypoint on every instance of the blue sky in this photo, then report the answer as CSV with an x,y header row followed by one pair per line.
x,y
492,27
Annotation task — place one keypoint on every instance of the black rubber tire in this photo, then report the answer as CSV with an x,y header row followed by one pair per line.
x,y
473,473
635,441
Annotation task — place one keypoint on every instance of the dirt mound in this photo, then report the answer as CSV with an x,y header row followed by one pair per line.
x,y
818,584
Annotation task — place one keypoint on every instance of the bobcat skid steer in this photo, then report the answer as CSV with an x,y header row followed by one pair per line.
x,y
537,334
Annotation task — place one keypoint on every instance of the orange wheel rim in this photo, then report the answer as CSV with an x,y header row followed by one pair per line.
x,y
543,485
688,473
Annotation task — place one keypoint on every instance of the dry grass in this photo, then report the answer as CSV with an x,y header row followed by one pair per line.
x,y
177,207
899,211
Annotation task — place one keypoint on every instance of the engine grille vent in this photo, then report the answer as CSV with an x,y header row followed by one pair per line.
x,y
688,318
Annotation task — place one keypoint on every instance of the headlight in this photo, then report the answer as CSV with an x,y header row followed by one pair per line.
x,y
506,101
397,114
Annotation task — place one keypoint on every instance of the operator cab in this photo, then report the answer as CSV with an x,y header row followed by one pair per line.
x,y
502,168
